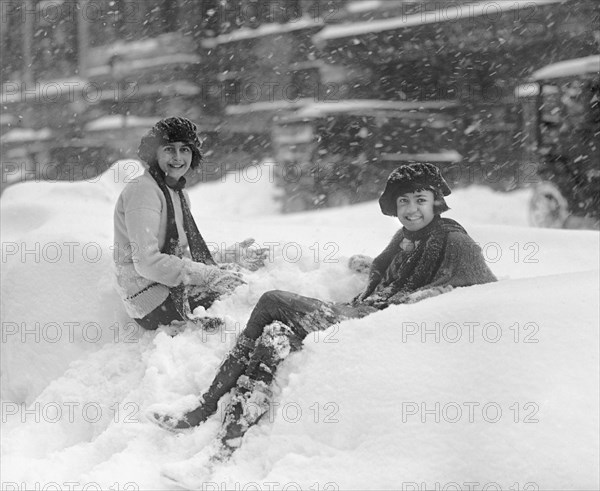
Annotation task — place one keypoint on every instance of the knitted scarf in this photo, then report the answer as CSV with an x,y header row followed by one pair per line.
x,y
409,271
198,248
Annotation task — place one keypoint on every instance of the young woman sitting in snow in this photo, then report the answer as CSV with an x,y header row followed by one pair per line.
x,y
164,268
428,256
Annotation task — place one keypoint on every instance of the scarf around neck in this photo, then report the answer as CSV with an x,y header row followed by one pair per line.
x,y
198,248
412,270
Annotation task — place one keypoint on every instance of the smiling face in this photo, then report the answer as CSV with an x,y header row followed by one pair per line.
x,y
174,159
415,210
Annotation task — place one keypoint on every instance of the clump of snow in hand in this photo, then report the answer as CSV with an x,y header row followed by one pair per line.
x,y
350,404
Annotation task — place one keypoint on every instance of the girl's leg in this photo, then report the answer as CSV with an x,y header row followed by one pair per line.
x,y
303,314
228,373
272,306
167,312
162,315
252,396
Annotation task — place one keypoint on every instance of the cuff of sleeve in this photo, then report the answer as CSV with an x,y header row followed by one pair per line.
x,y
191,271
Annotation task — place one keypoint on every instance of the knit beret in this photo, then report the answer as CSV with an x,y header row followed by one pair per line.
x,y
170,130
409,178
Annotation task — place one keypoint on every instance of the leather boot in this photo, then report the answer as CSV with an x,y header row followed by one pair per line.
x,y
252,397
250,401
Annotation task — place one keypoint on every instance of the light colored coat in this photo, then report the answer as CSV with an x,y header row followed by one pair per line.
x,y
144,274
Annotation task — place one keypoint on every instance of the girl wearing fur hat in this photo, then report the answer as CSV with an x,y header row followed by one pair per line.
x,y
164,267
428,256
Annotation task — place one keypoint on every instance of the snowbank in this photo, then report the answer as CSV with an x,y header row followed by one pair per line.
x,y
377,403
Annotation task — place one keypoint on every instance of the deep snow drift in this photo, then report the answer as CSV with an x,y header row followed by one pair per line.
x,y
490,384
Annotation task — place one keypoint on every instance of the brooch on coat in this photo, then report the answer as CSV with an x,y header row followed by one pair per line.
x,y
408,245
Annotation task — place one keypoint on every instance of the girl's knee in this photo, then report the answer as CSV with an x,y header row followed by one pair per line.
x,y
271,296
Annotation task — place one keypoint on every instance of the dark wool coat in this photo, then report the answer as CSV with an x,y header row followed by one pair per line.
x,y
435,259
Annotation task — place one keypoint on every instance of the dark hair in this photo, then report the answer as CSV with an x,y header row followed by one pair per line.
x,y
440,206
170,130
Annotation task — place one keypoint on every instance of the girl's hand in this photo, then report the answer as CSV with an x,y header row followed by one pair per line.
x,y
399,298
360,298
376,301
211,278
245,255
227,282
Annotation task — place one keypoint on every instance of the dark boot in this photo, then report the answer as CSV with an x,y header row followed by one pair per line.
x,y
250,401
228,373
252,397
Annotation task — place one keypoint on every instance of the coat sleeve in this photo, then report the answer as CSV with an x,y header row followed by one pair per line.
x,y
143,208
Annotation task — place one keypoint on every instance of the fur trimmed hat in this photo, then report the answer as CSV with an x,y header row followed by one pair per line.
x,y
170,130
410,178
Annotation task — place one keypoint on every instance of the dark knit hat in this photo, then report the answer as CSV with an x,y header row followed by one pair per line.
x,y
410,178
170,130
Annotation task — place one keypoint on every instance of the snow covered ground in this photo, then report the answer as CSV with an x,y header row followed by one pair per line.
x,y
490,387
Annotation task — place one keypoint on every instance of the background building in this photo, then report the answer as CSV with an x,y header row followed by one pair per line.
x,y
83,80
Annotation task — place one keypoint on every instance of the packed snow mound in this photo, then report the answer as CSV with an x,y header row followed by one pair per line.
x,y
459,388
516,392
